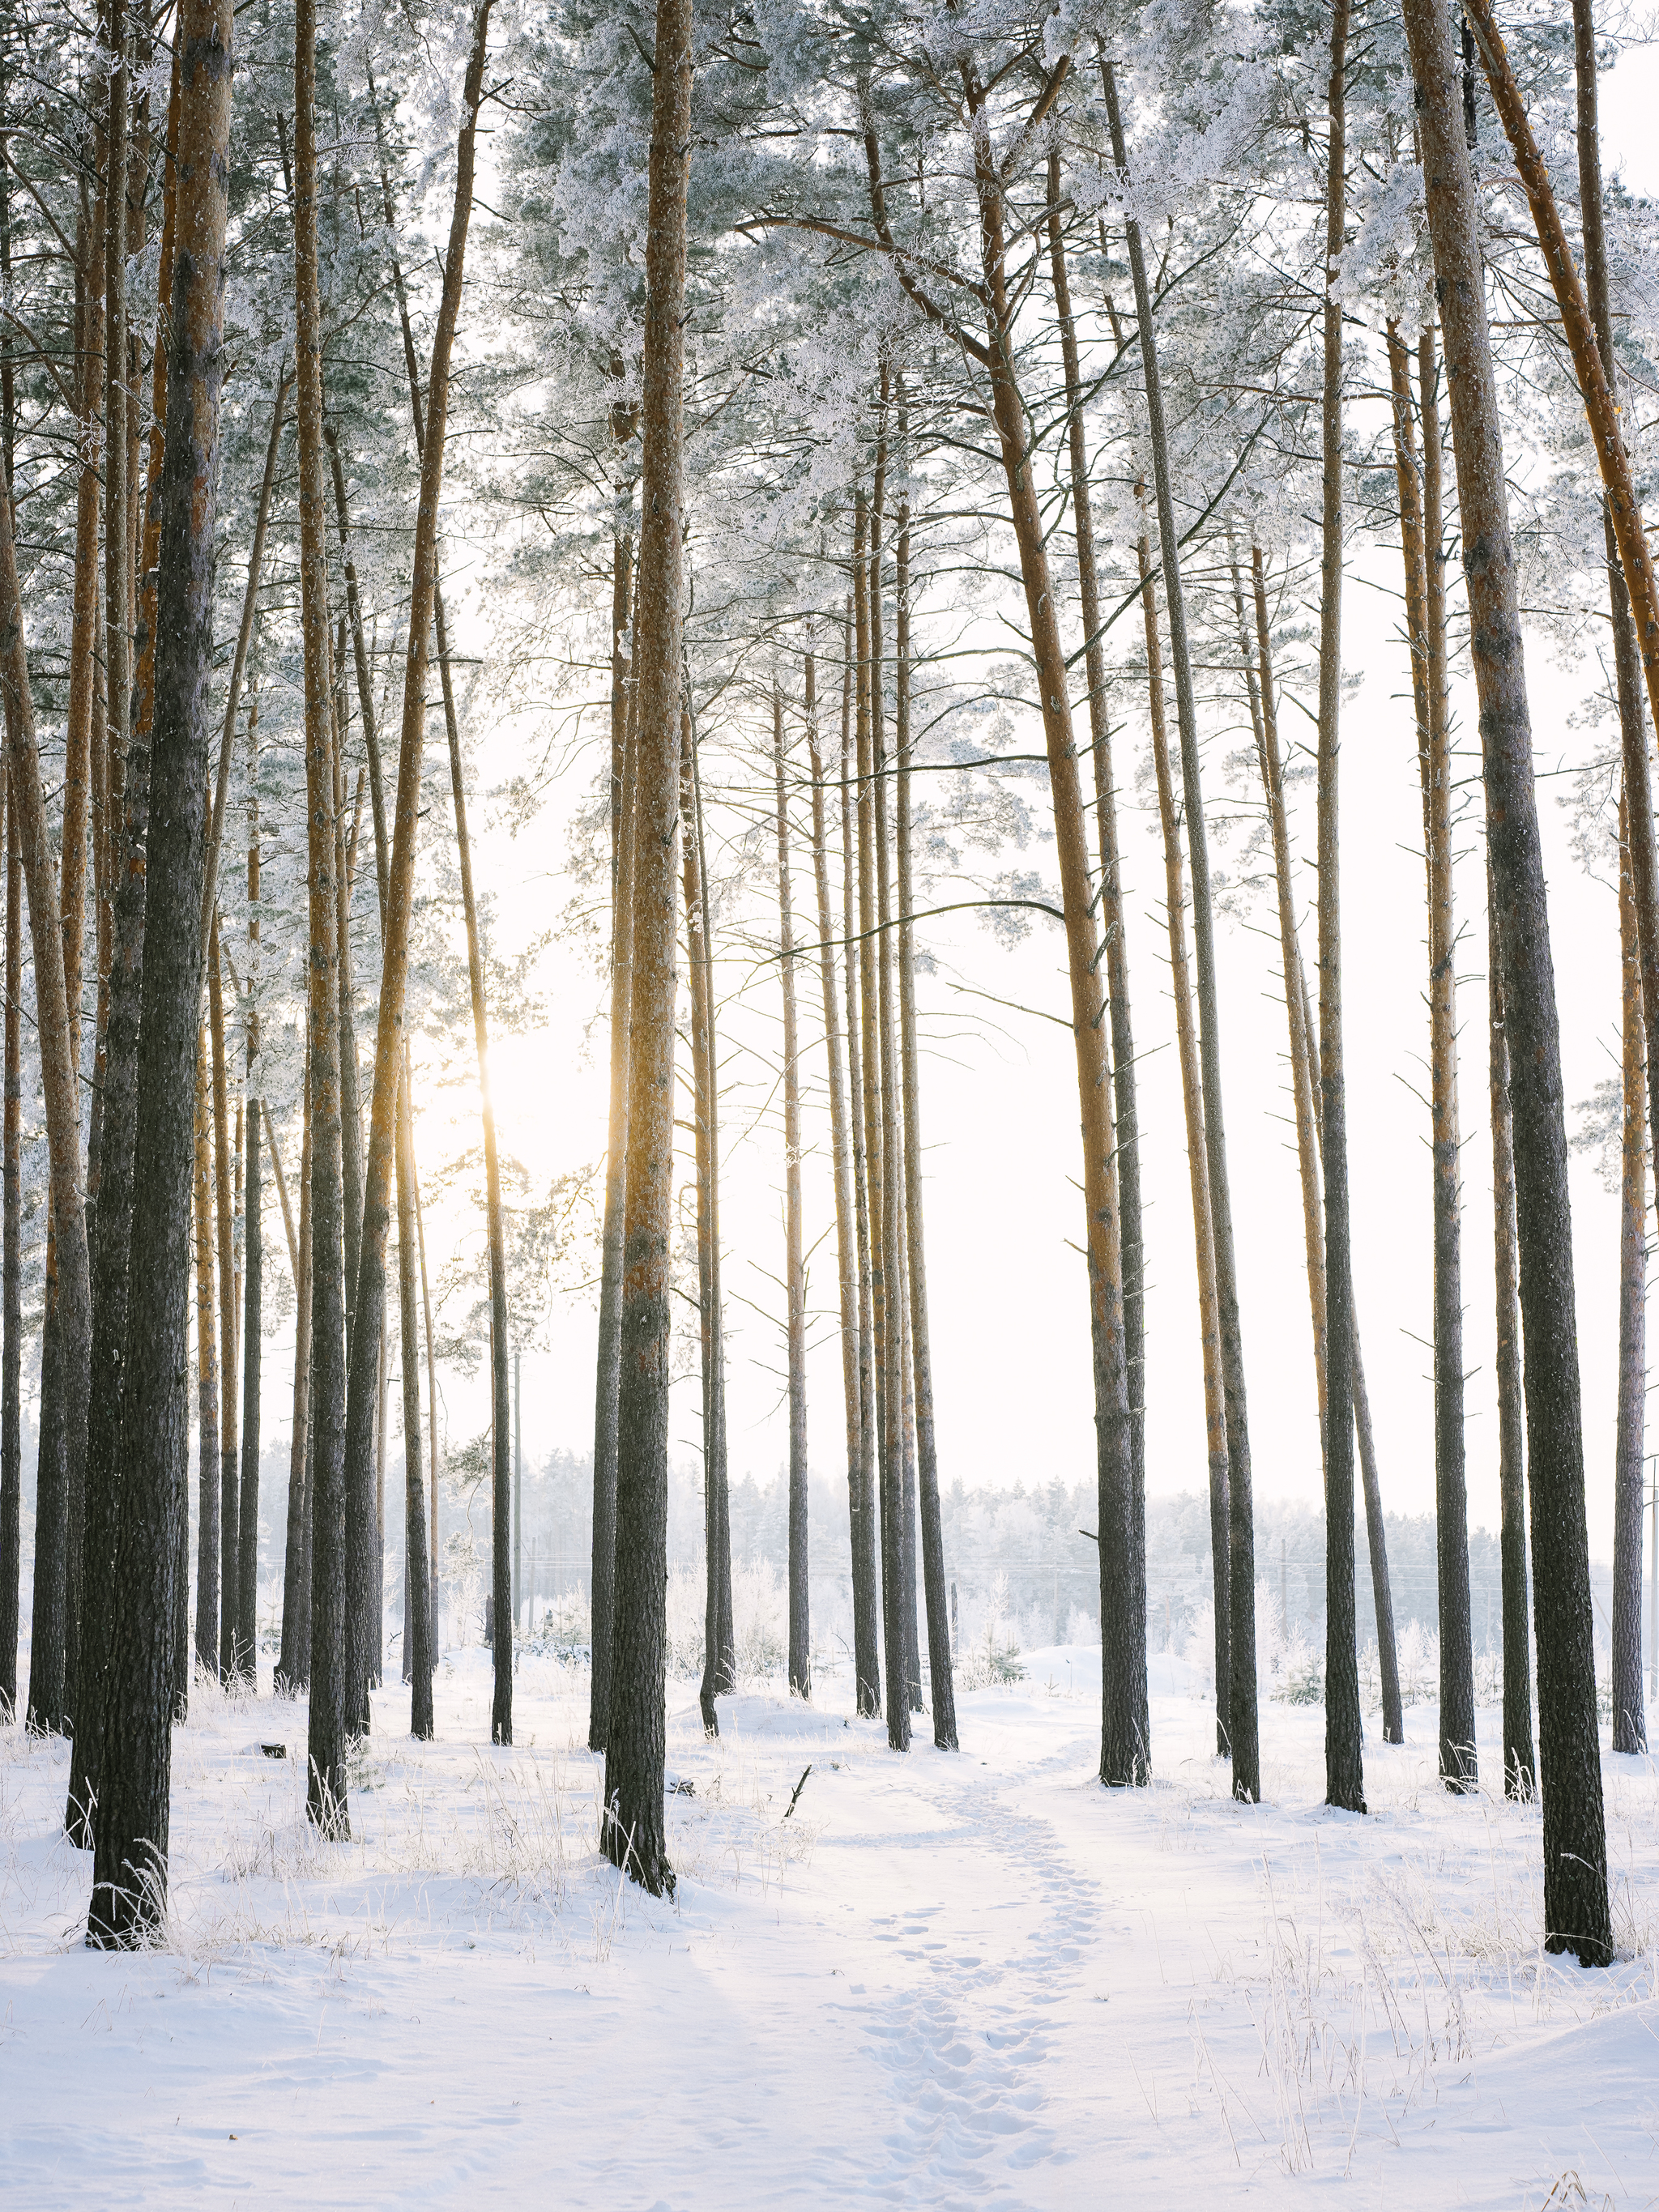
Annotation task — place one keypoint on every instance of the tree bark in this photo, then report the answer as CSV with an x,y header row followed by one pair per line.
x,y
1243,1729
940,1681
1345,1780
1577,1915
326,1796
632,1834
294,1665
608,1383
369,1311
208,1473
862,1533
1112,917
129,1895
229,1458
63,1465
1425,592
248,1551
867,1655
1192,1099
419,1611
794,1277
1520,1756
1629,1716
718,1666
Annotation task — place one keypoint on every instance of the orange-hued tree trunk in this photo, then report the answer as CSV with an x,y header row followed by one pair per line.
x,y
795,1279
129,1868
632,1832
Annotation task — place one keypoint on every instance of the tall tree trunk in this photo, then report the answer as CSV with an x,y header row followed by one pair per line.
x,y
11,1272
1192,1099
296,1659
247,1556
62,1467
207,1377
1305,1092
1113,924
244,639
432,1405
867,1657
500,1723
129,1895
229,1458
1243,1728
1520,1755
795,1274
418,1612
1577,1915
632,1834
608,1382
1629,1717
888,1471
862,1532
325,1795
369,1311
1125,1749
1421,536
941,1683
717,1668
1344,1777
502,1712
898,1519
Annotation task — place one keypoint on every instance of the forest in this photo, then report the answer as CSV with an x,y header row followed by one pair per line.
x,y
662,594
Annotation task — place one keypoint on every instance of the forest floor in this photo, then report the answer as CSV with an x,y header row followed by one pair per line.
x,y
975,1980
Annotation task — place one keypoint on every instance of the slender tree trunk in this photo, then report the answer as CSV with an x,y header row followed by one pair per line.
x,y
1629,1717
1425,615
247,1561
63,1465
1576,1915
800,1627
717,1671
1243,1728
1345,1780
432,1403
898,1513
1520,1756
369,1311
326,1486
129,1895
206,1375
11,1274
866,1656
230,1459
862,1533
244,638
941,1682
608,1385
727,1674
1113,923
1191,1097
418,1612
294,1666
633,1832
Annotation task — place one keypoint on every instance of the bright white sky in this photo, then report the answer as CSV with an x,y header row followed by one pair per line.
x,y
1010,1325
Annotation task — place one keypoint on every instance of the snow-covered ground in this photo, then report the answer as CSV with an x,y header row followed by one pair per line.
x,y
971,1980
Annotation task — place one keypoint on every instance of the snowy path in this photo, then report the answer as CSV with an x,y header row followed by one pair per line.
x,y
973,1982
